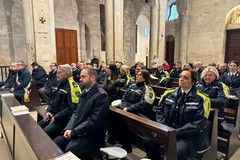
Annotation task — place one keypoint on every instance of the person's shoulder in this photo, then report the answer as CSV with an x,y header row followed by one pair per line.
x,y
202,94
101,90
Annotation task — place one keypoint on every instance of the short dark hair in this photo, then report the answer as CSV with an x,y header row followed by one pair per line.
x,y
34,64
194,74
234,61
91,72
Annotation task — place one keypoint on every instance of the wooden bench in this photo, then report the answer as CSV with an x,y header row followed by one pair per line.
x,y
24,138
164,135
34,97
228,137
173,84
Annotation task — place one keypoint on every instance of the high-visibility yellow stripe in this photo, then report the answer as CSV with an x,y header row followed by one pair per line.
x,y
206,104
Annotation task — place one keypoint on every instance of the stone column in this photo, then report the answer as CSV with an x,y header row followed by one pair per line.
x,y
109,30
30,33
161,31
44,26
154,30
118,30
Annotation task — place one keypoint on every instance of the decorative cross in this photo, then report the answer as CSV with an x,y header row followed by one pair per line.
x,y
42,20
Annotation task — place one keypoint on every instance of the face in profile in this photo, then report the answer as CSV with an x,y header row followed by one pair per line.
x,y
139,77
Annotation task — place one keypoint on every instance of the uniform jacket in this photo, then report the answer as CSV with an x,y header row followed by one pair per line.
x,y
39,75
175,72
161,74
90,119
139,99
10,79
101,76
23,79
124,82
233,82
76,75
193,113
218,93
64,100
111,88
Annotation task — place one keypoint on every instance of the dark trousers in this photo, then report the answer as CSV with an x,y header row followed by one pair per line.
x,y
54,129
185,148
81,146
44,94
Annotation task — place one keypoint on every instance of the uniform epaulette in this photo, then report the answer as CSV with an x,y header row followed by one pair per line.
x,y
101,90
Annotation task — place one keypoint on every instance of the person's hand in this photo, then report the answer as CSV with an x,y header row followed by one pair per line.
x,y
12,90
47,117
52,120
125,109
3,87
67,134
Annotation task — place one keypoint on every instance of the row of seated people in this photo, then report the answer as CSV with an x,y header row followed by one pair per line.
x,y
141,92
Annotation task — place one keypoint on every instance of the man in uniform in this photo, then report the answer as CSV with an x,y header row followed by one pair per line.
x,y
86,130
63,103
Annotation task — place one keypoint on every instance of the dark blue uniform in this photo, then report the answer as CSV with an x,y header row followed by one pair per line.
x,y
232,81
88,125
188,115
218,93
62,106
9,82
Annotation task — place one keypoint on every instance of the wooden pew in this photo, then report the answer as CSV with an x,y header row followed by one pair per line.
x,y
228,137
164,135
34,97
25,139
173,84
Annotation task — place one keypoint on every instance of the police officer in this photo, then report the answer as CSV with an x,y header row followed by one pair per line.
x,y
86,130
63,103
186,110
232,78
217,91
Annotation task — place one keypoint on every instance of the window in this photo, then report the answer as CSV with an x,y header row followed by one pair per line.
x,y
171,10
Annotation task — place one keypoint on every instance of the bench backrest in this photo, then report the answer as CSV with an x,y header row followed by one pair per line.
x,y
34,97
164,135
231,111
4,70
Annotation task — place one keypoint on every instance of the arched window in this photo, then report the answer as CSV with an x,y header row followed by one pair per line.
x,y
171,10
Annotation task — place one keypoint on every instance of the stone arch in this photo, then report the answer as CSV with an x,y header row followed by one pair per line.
x,y
233,16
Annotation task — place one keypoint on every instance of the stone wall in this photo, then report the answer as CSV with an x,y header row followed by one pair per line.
x,y
200,31
12,32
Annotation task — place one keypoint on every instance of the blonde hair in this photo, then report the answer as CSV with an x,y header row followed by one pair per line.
x,y
125,68
210,68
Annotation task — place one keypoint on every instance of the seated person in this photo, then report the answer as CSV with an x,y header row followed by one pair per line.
x,y
75,72
217,91
139,97
9,82
102,73
175,72
186,110
46,91
63,104
124,80
109,83
22,82
232,78
39,74
86,130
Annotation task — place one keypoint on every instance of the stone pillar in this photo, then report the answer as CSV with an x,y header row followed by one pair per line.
x,y
30,33
161,31
109,30
44,27
154,29
118,30
184,31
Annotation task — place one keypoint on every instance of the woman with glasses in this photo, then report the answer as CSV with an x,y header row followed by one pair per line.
x,y
109,83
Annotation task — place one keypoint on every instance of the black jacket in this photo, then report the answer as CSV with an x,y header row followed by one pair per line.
x,y
39,75
62,105
51,80
22,81
233,82
192,112
90,119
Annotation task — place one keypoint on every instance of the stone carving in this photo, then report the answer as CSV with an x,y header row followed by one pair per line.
x,y
235,17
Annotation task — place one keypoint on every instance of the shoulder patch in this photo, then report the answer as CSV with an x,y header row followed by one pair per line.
x,y
101,90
